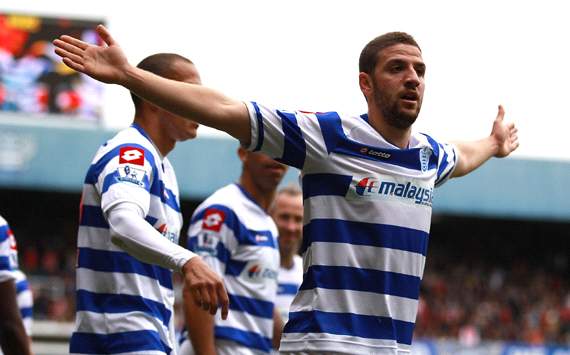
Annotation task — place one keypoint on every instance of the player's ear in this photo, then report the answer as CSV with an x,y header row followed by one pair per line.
x,y
365,83
242,154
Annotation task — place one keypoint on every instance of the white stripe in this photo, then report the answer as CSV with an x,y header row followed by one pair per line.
x,y
246,322
96,238
356,302
90,196
254,290
344,344
273,137
25,299
367,257
124,283
110,323
392,213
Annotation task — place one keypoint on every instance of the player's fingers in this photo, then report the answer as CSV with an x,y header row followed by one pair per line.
x,y
74,41
205,298
68,47
213,299
196,296
75,66
105,35
224,301
501,113
65,54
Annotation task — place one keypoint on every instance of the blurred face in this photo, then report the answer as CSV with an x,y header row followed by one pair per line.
x,y
264,172
287,212
398,84
179,128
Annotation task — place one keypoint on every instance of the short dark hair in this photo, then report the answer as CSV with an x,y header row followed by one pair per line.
x,y
161,65
369,54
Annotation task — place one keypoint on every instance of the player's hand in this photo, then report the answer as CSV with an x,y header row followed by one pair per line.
x,y
505,135
206,287
106,63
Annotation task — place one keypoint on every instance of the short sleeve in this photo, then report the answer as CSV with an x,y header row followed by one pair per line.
x,y
127,176
447,161
292,137
8,252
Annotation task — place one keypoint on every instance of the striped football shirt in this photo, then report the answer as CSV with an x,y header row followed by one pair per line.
x,y
367,213
125,305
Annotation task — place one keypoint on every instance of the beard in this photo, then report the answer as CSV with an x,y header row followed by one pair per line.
x,y
391,111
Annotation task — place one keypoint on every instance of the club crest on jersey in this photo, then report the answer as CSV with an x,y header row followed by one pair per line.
x,y
131,155
128,173
208,243
213,219
425,154
384,187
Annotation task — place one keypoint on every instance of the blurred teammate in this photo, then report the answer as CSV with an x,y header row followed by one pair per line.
x,y
234,234
368,182
13,338
287,212
129,227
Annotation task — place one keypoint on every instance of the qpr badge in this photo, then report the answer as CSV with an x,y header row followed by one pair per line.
x,y
425,154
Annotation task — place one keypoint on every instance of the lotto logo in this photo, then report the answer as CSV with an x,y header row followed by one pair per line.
x,y
213,220
131,155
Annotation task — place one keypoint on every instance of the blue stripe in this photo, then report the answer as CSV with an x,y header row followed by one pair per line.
x,y
5,263
443,165
287,289
4,232
151,220
95,169
360,233
26,312
92,216
249,339
141,340
336,141
325,184
242,234
295,148
235,267
441,179
121,303
115,261
433,143
259,127
364,280
363,326
259,308
22,286
166,196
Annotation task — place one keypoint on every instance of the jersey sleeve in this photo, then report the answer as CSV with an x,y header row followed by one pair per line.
x,y
293,138
213,234
127,176
447,161
8,252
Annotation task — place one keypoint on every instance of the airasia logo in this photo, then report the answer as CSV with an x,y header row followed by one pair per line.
x,y
131,155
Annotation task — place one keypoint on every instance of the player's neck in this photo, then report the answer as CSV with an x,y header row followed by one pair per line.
x,y
163,143
261,197
287,260
396,136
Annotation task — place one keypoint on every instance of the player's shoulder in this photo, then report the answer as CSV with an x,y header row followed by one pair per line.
x,y
3,222
227,196
130,146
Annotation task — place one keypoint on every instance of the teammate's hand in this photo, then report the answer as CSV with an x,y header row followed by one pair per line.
x,y
206,287
106,63
505,134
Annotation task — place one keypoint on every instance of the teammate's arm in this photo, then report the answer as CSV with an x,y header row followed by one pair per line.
x,y
200,325
131,232
13,337
277,328
502,141
107,63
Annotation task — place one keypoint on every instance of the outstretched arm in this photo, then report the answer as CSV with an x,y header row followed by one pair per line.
x,y
502,142
108,63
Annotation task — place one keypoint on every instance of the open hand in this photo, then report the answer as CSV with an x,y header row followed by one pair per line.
x,y
505,135
206,287
106,63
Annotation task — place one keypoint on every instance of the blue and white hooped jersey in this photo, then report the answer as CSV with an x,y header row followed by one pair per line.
x,y
238,239
125,305
366,224
289,281
9,270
